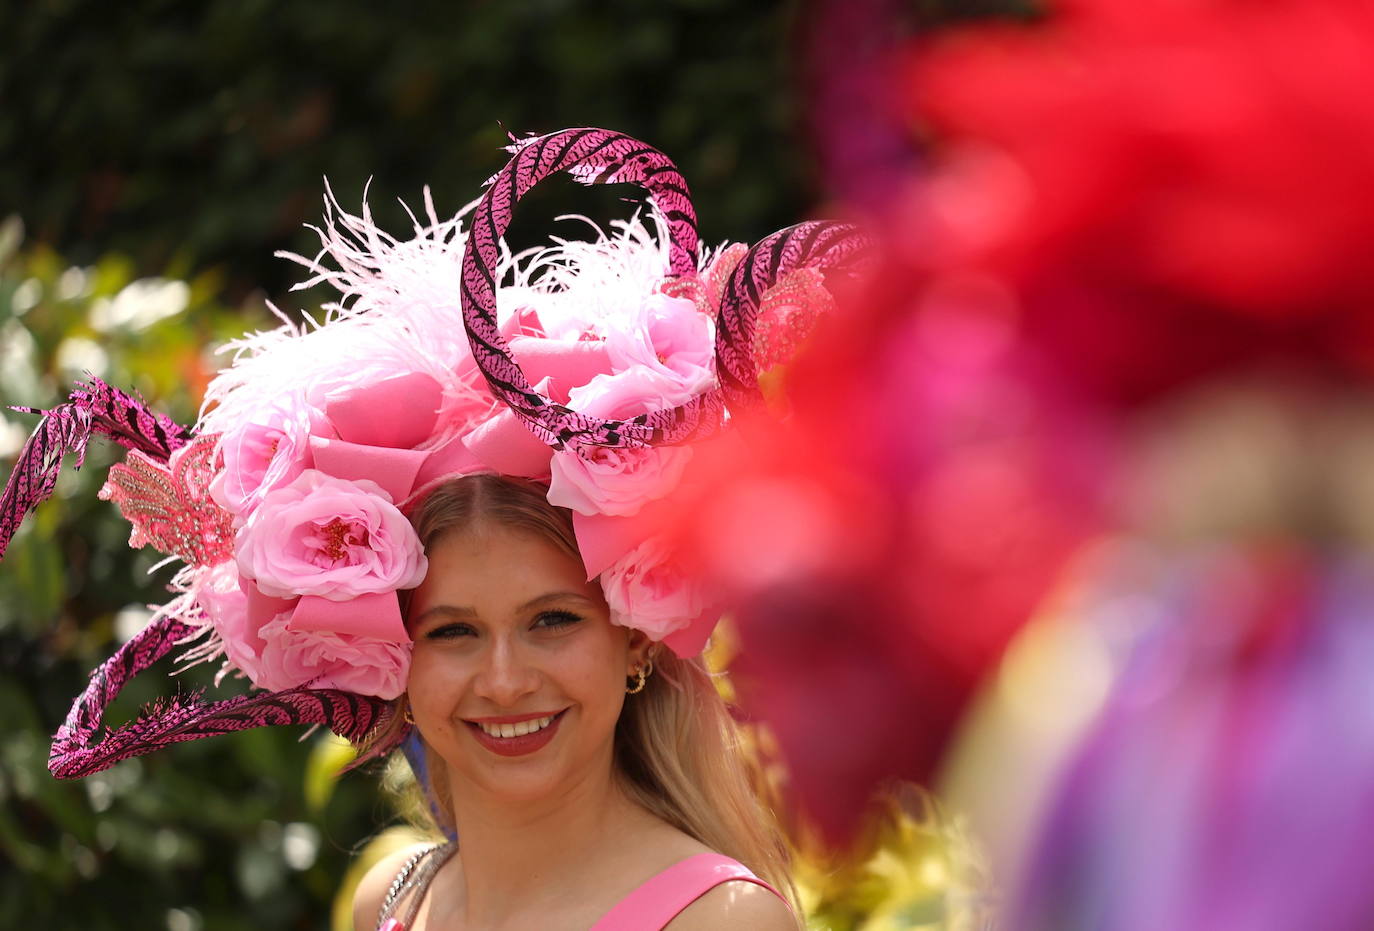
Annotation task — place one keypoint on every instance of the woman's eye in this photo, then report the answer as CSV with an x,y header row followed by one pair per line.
x,y
448,632
554,619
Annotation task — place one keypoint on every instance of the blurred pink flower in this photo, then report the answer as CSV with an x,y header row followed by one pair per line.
x,y
329,537
1174,188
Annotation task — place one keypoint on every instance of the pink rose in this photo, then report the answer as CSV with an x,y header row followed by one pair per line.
x,y
325,536
263,455
615,480
668,335
619,481
226,608
647,591
325,660
275,657
638,389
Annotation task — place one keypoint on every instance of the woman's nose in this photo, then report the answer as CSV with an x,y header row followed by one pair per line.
x,y
506,676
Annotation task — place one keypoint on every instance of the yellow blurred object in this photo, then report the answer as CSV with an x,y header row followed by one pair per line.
x,y
721,649
925,872
328,757
377,849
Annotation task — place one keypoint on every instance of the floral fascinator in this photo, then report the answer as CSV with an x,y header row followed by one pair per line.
x,y
592,367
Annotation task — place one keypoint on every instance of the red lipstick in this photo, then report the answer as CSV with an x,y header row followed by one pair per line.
x,y
523,745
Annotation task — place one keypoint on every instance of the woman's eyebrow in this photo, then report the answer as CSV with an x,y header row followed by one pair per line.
x,y
467,613
446,611
552,597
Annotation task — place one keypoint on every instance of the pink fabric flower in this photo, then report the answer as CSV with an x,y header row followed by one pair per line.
x,y
635,390
325,660
225,604
262,455
618,481
325,536
647,591
273,656
615,480
669,336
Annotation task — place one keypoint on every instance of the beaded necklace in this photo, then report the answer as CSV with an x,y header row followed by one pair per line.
x,y
414,877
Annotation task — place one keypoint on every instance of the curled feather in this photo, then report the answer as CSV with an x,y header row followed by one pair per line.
x,y
64,429
92,407
76,751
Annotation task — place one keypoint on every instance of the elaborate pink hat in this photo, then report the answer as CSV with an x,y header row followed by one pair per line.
x,y
286,504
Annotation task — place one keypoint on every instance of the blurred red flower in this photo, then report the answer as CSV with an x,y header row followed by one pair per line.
x,y
1173,187
884,542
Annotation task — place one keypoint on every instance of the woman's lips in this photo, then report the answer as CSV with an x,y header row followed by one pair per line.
x,y
515,746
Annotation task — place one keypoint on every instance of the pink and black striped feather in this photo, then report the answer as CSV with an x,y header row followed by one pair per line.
x,y
76,752
591,156
820,244
94,407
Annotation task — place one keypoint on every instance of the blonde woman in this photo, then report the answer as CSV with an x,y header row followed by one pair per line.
x,y
592,779
432,513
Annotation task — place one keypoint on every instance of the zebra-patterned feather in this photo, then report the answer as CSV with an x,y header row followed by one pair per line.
x,y
591,156
64,429
94,407
189,717
129,421
820,244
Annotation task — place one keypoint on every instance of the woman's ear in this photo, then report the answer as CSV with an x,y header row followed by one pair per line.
x,y
640,645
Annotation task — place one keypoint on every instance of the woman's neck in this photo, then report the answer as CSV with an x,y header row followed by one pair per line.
x,y
520,854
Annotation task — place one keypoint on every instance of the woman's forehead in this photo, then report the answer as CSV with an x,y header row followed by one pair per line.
x,y
499,565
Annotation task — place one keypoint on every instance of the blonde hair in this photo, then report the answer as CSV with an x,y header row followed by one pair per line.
x,y
677,748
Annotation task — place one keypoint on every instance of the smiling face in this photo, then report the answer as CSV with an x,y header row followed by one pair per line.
x,y
517,676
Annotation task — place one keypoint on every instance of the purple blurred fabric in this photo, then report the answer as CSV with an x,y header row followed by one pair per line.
x,y
1229,783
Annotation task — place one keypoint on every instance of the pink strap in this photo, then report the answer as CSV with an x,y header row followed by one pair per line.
x,y
659,899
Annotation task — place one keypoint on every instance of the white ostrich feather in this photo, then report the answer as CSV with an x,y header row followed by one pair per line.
x,y
398,308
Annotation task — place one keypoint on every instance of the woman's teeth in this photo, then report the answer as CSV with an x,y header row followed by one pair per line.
x,y
516,730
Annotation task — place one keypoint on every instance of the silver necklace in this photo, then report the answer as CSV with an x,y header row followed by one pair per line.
x,y
414,877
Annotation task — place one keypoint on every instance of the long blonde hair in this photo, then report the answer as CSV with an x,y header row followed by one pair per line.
x,y
677,748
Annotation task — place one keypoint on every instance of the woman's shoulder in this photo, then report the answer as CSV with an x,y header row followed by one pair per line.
x,y
372,888
733,904
736,904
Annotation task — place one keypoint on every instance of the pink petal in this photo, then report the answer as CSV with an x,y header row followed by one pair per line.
x,y
396,412
567,363
393,469
441,464
374,614
602,539
688,641
261,609
504,444
523,321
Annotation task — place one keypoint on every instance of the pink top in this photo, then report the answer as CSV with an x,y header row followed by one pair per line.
x,y
654,903
659,899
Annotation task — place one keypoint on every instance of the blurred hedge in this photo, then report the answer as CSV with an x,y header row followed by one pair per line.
x,y
204,129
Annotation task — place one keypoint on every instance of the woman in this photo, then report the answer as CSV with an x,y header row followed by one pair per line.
x,y
558,825
374,509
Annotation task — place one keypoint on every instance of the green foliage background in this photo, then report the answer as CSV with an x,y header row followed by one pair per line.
x,y
185,143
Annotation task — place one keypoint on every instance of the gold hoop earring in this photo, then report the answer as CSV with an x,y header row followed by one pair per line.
x,y
408,717
642,674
